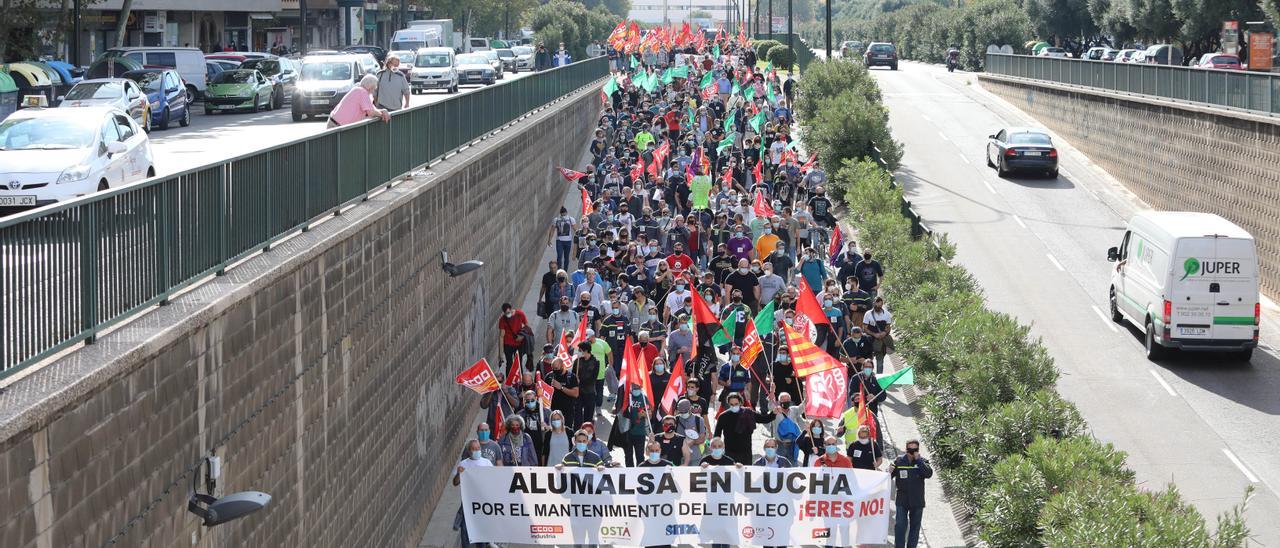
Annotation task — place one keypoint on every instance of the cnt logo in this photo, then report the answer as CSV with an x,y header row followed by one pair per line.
x,y
823,532
764,533
682,529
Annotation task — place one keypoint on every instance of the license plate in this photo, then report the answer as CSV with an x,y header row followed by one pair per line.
x,y
1193,331
17,200
319,101
1031,153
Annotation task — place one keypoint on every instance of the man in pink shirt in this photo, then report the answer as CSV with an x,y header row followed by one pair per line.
x,y
358,105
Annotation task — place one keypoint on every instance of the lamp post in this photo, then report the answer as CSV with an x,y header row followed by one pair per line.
x,y
828,30
790,21
74,57
770,19
302,27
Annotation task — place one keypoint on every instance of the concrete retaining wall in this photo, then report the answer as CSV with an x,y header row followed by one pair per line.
x,y
1173,156
321,372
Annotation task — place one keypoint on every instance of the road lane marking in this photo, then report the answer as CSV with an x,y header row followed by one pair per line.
x,y
1162,382
1110,324
1055,262
1247,474
1093,194
1018,220
966,160
989,187
944,137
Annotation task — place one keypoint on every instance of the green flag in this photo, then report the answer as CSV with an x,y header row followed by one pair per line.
x,y
728,121
611,86
716,51
736,89
681,71
757,121
764,320
904,376
651,84
768,66
707,79
768,92
726,143
749,93
634,62
689,117
668,76
726,327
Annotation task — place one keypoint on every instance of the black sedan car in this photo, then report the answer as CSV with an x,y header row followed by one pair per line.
x,y
377,52
1022,149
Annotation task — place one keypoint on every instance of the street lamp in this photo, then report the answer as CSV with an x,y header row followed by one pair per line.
x,y
828,30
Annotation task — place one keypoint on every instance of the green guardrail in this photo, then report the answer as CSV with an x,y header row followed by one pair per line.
x,y
70,270
1257,92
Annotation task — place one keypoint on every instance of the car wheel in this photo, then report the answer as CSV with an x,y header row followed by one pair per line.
x,y
192,94
894,67
102,185
1115,308
989,164
1154,350
297,116
186,116
1053,174
164,119
146,122
1001,172
151,172
208,110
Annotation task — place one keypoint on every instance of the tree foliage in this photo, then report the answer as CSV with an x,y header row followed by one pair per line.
x,y
572,23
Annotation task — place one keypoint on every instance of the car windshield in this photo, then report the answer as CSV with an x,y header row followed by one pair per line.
x,y
1029,139
882,48
489,54
472,59
326,71
95,90
150,81
1225,60
432,60
47,133
269,67
522,50
506,53
233,77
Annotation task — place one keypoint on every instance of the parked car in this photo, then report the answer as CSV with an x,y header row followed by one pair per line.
x,y
1054,52
211,69
881,54
378,53
368,64
491,55
1109,54
524,57
508,59
166,93
1126,55
225,64
1094,53
1022,149
1140,57
230,57
474,68
239,89
1220,61
189,62
1163,54
849,49
325,79
120,93
282,74
433,68
49,155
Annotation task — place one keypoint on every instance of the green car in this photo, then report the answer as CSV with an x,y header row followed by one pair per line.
x,y
240,89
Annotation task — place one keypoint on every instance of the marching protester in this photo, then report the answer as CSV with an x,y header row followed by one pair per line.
x,y
473,457
517,446
558,441
909,471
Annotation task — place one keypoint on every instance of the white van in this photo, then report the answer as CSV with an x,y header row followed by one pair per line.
x,y
189,62
1190,280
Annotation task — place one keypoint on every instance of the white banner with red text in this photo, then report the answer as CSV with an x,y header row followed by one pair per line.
x,y
676,505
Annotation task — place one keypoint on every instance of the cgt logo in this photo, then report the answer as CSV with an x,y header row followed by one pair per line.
x,y
682,529
824,532
612,531
545,531
762,533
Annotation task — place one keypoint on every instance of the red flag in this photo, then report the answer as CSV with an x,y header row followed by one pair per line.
x,y
757,172
808,165
570,175
499,425
478,377
806,356
788,157
659,158
624,385
728,176
808,305
513,374
837,241
742,34
762,207
702,314
751,345
544,393
704,163
637,171
825,393
581,334
562,350
675,387
634,371
586,203
865,416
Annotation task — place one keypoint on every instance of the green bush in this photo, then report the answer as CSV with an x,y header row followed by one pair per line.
x,y
782,57
762,48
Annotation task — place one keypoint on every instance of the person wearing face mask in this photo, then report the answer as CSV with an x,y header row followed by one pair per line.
x,y
653,456
773,457
671,443
561,319
659,377
736,424
516,445
565,391
746,284
534,425
866,453
560,287
718,456
878,323
830,336
770,283
909,471
868,271
581,456
768,240
472,457
723,262
741,246
545,300
692,424
680,341
516,333
633,425
831,457
781,261
489,448
614,329
557,440
812,267
862,379
737,312
587,368
810,443
675,298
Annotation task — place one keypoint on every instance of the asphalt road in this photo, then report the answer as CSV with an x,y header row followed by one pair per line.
x,y
215,137
1038,248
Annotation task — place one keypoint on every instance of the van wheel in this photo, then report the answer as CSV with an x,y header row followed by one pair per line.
x,y
1154,350
1244,355
1115,308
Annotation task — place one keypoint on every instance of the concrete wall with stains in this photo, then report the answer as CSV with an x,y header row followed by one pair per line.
x,y
321,372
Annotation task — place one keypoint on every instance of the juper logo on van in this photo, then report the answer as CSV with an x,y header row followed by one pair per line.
x,y
1193,266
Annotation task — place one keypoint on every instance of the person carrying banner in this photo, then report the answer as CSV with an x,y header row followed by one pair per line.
x,y
771,458
473,458
866,453
810,442
517,446
692,424
557,440
580,456
717,456
671,442
831,457
531,414
653,456
633,424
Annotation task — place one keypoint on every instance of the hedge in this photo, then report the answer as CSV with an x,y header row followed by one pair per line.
x,y
1017,456
762,48
782,57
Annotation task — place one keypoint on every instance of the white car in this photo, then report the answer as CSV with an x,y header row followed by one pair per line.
x,y
405,56
433,68
1054,52
121,93
524,57
50,155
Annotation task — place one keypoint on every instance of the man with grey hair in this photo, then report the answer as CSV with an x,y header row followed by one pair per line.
x,y
393,87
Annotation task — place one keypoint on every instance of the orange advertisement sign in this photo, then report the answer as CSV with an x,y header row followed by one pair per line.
x,y
1260,50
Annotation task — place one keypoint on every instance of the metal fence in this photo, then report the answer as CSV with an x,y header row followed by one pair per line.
x,y
1252,91
70,270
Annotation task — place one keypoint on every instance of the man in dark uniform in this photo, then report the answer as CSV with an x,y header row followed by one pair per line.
x,y
909,471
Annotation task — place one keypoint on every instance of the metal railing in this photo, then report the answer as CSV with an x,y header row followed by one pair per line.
x,y
1258,92
70,270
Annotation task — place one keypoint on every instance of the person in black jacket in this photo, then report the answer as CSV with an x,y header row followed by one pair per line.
x,y
909,471
736,424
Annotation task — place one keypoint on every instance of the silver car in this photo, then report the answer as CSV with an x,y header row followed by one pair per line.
x,y
494,61
121,93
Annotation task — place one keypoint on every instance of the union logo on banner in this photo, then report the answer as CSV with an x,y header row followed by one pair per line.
x,y
478,377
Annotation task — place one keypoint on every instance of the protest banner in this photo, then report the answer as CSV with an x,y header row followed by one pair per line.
x,y
676,505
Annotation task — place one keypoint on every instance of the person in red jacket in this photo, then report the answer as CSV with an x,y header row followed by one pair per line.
x,y
831,457
512,324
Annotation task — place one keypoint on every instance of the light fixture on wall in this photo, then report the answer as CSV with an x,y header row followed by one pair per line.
x,y
214,510
455,270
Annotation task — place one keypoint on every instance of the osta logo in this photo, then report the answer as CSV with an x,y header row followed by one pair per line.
x,y
614,531
764,533
824,532
682,529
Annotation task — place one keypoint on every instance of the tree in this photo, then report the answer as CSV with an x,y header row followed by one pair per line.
x,y
1112,20
122,22
28,23
1058,19
572,23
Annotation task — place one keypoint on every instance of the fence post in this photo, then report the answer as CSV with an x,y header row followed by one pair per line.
x,y
88,270
223,190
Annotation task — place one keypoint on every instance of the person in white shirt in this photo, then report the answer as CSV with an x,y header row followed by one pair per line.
x,y
675,299
878,322
474,459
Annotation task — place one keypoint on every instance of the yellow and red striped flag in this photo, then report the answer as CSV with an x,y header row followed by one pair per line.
x,y
805,356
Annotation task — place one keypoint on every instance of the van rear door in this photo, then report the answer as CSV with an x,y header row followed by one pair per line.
x,y
1214,289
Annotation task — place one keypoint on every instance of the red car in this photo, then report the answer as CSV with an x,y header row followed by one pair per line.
x,y
1220,61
